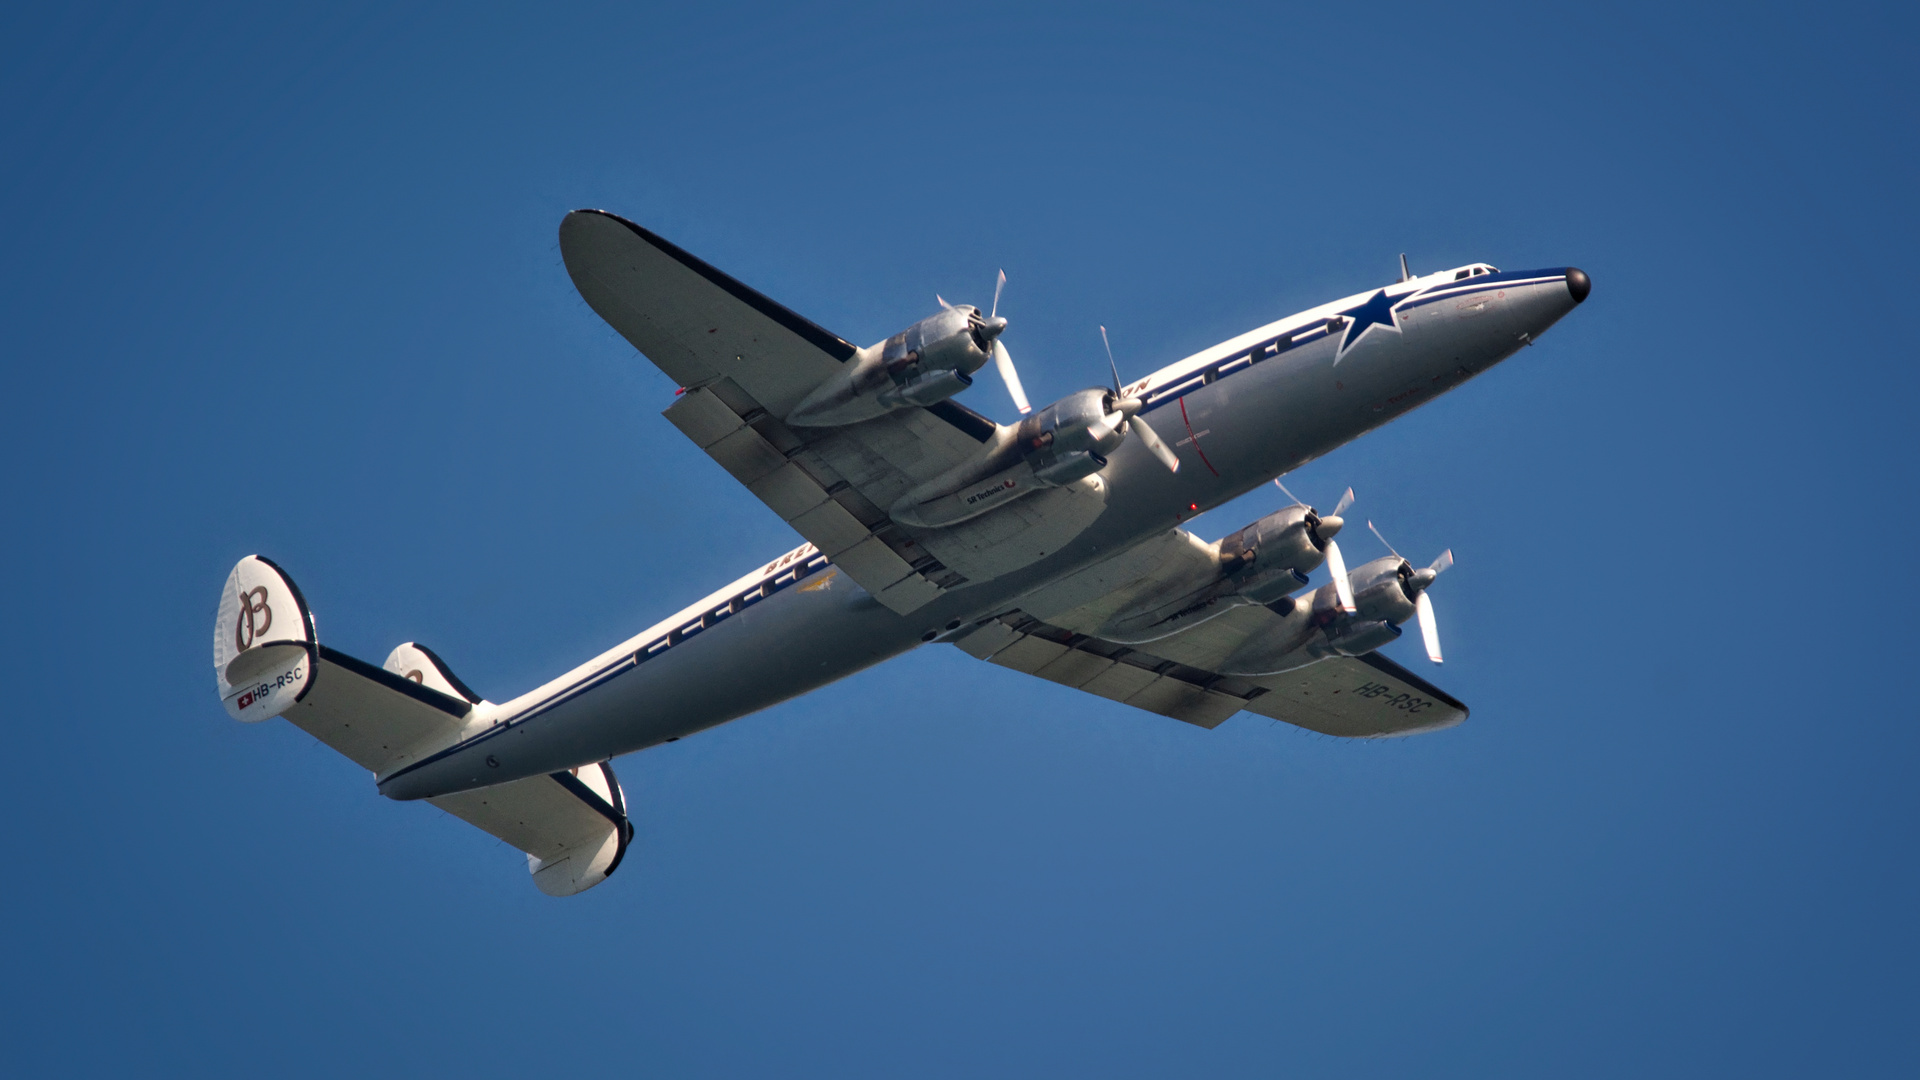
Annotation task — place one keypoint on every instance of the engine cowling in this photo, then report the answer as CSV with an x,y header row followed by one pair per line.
x,y
1387,589
1271,557
1069,438
1062,444
925,364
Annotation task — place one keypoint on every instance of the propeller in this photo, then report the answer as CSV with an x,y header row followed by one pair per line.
x,y
1417,583
1327,526
1126,419
1002,361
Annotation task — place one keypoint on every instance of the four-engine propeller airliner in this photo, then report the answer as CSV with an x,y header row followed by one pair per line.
x,y
1052,546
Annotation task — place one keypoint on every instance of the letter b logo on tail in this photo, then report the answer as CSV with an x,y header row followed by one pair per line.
x,y
254,620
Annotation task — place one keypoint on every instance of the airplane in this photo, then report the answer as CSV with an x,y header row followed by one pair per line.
x,y
1052,546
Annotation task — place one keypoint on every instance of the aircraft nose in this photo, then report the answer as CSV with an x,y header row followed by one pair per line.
x,y
1578,283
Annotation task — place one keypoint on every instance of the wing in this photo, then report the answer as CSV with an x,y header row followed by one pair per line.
x,y
746,361
1351,696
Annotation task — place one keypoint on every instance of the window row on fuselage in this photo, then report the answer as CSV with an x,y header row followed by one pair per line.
x,y
1240,361
773,583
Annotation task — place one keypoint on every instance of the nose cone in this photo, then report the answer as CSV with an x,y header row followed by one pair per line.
x,y
992,327
1578,284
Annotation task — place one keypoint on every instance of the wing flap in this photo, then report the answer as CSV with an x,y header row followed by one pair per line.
x,y
822,513
1108,670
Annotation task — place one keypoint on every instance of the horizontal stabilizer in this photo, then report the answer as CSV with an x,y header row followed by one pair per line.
x,y
381,721
268,662
572,825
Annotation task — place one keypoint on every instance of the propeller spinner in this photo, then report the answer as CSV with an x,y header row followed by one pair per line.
x,y
1417,582
1002,360
1126,419
1321,530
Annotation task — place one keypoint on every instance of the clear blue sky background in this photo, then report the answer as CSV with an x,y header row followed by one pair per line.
x,y
288,283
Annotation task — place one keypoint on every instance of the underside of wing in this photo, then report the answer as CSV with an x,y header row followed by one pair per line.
x,y
696,323
1350,696
745,362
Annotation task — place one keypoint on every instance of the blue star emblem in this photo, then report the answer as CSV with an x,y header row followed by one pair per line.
x,y
1377,311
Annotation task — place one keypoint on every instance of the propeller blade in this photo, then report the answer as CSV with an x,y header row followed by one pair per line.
x,y
1440,564
1110,363
1289,494
997,286
1011,377
1341,506
943,301
1152,441
1429,629
1382,539
1337,566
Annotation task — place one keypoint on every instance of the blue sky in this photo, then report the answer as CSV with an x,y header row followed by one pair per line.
x,y
287,282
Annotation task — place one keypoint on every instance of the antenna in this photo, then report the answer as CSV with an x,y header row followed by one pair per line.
x,y
1405,274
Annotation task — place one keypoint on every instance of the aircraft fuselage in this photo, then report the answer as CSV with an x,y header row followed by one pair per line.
x,y
1239,414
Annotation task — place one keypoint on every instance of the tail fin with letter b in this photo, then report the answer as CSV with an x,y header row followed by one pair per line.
x,y
268,661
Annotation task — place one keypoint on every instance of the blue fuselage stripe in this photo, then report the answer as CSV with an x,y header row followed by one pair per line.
x,y
785,579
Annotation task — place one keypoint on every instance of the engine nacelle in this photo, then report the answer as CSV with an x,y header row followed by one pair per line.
x,y
1384,589
1059,445
1069,434
1271,557
1359,637
925,364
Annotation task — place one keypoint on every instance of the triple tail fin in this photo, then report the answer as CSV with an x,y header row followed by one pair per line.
x,y
268,661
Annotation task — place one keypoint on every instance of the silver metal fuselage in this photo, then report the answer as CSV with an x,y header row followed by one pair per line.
x,y
1241,413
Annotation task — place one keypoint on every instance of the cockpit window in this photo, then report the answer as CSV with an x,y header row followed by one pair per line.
x,y
1461,274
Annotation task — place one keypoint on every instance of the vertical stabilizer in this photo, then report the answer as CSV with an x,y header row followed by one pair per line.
x,y
264,647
